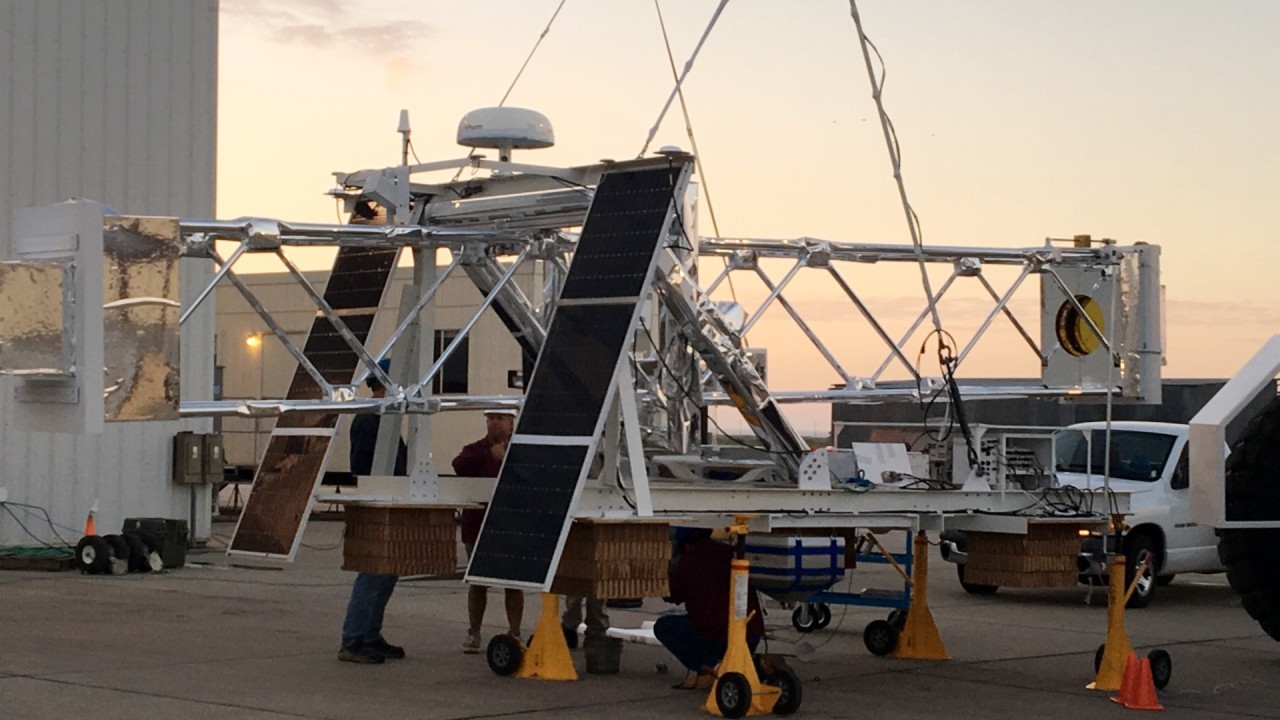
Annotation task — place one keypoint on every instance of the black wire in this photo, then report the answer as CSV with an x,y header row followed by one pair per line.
x,y
27,530
52,525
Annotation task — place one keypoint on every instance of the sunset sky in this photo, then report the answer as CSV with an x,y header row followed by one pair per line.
x,y
1151,121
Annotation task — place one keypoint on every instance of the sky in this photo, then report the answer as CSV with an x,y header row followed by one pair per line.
x,y
1143,121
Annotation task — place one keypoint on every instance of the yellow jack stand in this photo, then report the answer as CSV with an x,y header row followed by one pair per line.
x,y
737,657
1118,648
548,655
919,639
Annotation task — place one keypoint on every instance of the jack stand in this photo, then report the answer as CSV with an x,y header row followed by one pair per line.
x,y
1117,649
920,639
738,690
548,655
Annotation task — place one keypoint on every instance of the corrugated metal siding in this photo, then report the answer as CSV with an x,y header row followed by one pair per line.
x,y
116,102
268,369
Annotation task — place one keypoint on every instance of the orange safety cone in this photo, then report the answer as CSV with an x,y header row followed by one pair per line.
x,y
1129,684
89,527
1144,691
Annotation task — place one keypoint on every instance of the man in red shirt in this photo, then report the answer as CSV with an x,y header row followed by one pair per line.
x,y
700,579
483,458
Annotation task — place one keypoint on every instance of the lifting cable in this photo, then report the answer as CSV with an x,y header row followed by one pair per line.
x,y
693,143
688,66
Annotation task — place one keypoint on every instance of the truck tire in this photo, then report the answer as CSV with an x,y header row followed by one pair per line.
x,y
1138,547
1252,556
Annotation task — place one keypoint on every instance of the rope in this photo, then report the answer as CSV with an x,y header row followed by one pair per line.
x,y
688,66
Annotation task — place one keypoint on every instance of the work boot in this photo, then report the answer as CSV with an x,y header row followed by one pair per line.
x,y
386,649
362,654
471,645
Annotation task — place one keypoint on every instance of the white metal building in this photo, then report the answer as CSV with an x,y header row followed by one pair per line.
x,y
110,101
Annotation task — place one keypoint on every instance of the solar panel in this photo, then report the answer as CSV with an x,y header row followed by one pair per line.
x,y
568,394
275,514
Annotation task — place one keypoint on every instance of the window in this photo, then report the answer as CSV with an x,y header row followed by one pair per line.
x,y
1181,479
452,378
1135,455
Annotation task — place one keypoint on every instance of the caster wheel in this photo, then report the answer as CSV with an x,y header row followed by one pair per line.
x,y
93,555
504,655
786,680
1161,668
898,619
804,618
823,611
138,552
119,548
880,637
733,695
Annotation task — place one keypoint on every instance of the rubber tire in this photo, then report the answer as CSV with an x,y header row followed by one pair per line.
x,y
786,680
1097,658
1164,580
1252,556
824,615
798,620
93,555
898,619
119,548
138,552
1136,545
733,694
880,637
504,655
975,588
1161,668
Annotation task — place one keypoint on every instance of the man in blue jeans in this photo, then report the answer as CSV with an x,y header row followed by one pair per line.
x,y
700,580
362,640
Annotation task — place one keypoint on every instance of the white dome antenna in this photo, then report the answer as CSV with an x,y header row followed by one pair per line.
x,y
505,128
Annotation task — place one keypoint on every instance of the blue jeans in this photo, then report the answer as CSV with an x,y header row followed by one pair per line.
x,y
369,596
677,634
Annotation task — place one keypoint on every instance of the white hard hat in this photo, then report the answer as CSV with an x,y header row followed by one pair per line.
x,y
501,411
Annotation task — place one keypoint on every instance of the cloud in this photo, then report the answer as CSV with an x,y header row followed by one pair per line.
x,y
329,24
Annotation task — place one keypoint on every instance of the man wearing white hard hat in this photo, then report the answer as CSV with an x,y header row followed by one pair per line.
x,y
483,458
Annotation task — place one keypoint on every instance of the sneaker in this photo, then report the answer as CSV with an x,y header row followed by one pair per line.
x,y
471,645
386,649
361,654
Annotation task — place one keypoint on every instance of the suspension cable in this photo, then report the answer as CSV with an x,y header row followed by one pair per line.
x,y
688,66
895,157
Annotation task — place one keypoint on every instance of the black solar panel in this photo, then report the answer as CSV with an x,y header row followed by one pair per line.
x,y
571,380
528,510
569,390
622,230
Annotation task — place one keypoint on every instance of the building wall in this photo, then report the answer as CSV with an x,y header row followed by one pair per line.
x,y
265,371
110,101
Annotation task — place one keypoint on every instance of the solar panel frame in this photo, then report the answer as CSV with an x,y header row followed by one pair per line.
x,y
484,571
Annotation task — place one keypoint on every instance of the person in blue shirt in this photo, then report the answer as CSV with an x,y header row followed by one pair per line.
x,y
362,640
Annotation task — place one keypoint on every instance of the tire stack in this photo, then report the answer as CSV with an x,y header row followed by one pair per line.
x,y
1252,556
116,554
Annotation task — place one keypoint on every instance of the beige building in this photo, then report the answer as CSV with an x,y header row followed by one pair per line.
x,y
256,365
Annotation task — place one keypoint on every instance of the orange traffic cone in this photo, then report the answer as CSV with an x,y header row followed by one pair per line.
x,y
1144,691
1129,684
89,527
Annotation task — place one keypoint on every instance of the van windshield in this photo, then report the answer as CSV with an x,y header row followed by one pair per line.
x,y
1135,455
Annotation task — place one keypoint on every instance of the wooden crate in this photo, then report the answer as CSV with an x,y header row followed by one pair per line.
x,y
1043,558
400,540
614,559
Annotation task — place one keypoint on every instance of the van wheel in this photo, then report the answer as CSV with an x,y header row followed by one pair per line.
x,y
1251,555
1163,580
975,588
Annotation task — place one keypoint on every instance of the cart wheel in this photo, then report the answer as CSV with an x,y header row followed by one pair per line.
x,y
504,655
1161,668
786,680
119,548
823,611
880,637
1097,658
137,552
804,618
93,555
898,619
733,695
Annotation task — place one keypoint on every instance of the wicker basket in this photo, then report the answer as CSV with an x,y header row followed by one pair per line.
x,y
1043,558
614,559
390,540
